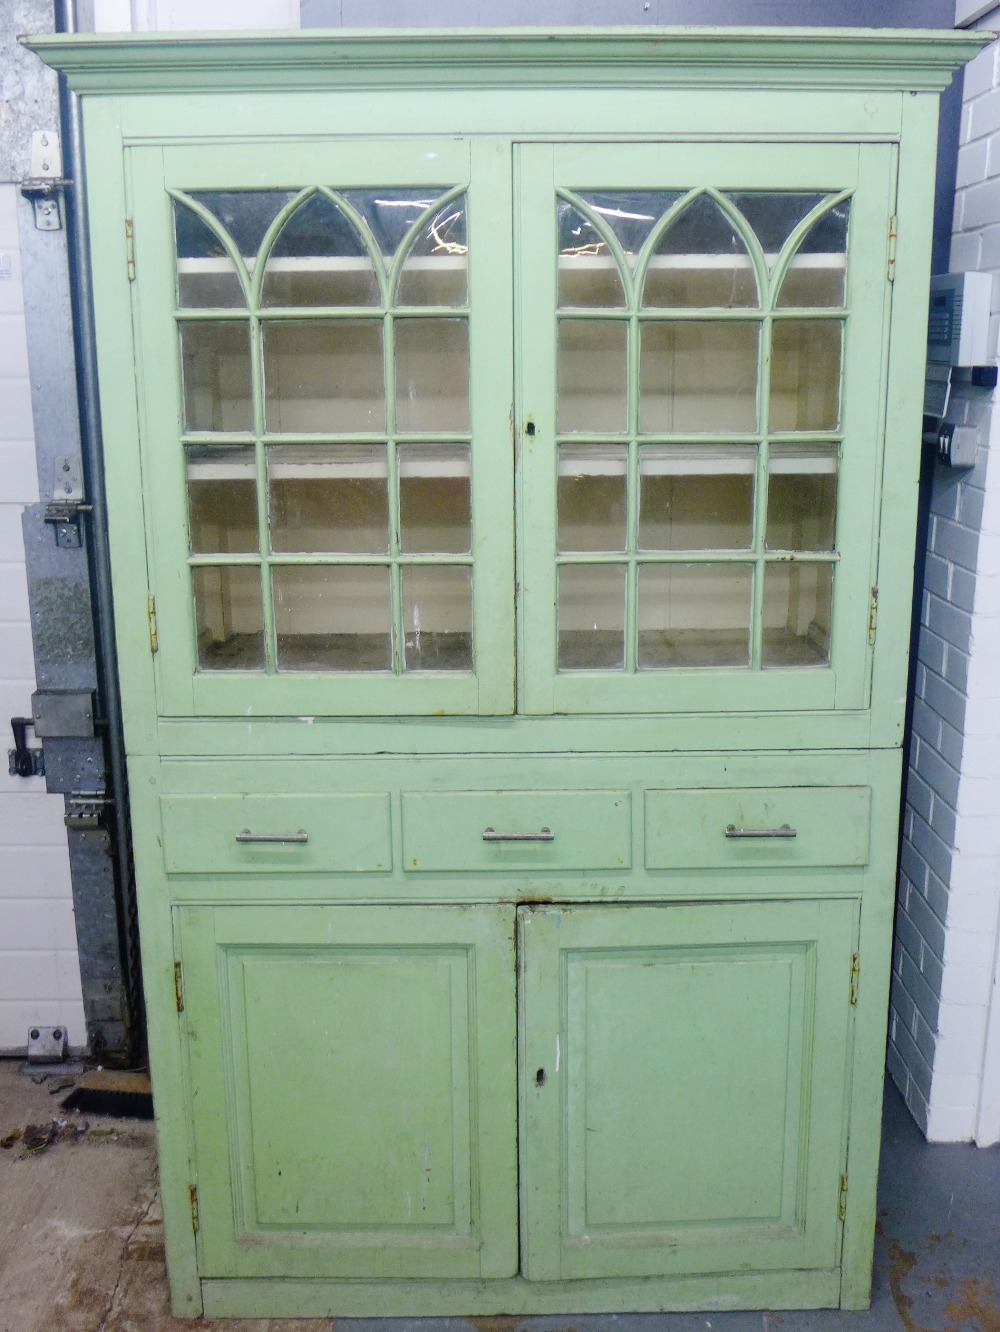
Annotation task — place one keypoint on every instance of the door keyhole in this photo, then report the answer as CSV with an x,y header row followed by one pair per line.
x,y
540,1078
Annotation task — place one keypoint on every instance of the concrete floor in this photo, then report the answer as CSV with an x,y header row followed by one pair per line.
x,y
81,1243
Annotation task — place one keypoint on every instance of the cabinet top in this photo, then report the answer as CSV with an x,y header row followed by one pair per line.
x,y
842,58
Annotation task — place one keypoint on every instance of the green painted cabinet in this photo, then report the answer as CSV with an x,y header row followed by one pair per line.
x,y
511,462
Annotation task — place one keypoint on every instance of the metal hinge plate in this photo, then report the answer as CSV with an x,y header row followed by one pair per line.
x,y
195,1218
45,184
154,638
178,987
872,617
85,808
855,976
130,249
842,1202
890,266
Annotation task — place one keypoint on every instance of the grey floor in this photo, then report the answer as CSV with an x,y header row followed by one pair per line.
x,y
81,1244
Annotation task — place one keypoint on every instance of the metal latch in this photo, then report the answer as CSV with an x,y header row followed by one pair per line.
x,y
84,809
22,760
45,185
64,509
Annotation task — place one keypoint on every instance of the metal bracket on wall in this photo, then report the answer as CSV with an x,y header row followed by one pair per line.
x,y
64,509
22,760
85,808
45,186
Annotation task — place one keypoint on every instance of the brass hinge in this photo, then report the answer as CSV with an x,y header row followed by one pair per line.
x,y
890,267
193,1195
872,617
855,976
178,988
154,639
130,249
842,1204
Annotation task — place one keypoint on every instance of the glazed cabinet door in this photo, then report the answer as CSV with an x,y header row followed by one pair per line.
x,y
324,349
701,408
353,1090
683,1087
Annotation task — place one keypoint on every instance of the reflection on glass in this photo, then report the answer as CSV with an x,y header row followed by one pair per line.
x,y
435,502
700,260
324,376
593,392
332,617
805,374
432,374
591,617
591,496
222,500
774,216
802,498
798,610
318,258
229,617
588,273
390,213
244,214
435,271
437,617
694,615
697,377
215,365
206,276
696,498
631,215
328,498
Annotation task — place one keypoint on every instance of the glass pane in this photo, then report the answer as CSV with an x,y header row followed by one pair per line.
x,y
798,610
697,377
222,500
229,617
694,615
696,499
802,498
435,271
631,215
391,212
815,276
805,374
591,497
593,395
245,214
215,365
324,376
332,618
591,617
437,618
700,260
432,374
329,499
318,258
435,500
588,273
774,216
206,276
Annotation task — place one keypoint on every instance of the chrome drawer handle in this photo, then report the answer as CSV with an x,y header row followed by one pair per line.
x,y
247,836
783,831
543,835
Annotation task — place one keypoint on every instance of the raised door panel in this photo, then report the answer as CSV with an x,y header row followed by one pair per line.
x,y
683,1087
353,1079
702,406
325,425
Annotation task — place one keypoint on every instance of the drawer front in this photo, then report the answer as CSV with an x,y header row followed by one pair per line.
x,y
234,834
754,826
508,830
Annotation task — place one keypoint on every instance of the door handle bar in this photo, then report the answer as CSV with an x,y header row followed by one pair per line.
x,y
784,831
543,835
247,836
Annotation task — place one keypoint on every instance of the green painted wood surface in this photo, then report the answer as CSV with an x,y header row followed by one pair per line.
x,y
648,1035
256,935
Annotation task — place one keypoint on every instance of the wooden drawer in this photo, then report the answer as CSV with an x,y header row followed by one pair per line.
x,y
483,830
688,829
202,833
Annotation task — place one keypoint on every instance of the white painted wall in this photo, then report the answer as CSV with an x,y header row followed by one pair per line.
x,y
39,970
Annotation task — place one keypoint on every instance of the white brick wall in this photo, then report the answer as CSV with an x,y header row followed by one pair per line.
x,y
944,1034
39,970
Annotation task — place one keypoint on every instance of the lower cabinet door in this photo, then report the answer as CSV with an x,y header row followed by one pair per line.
x,y
682,1087
353,1089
